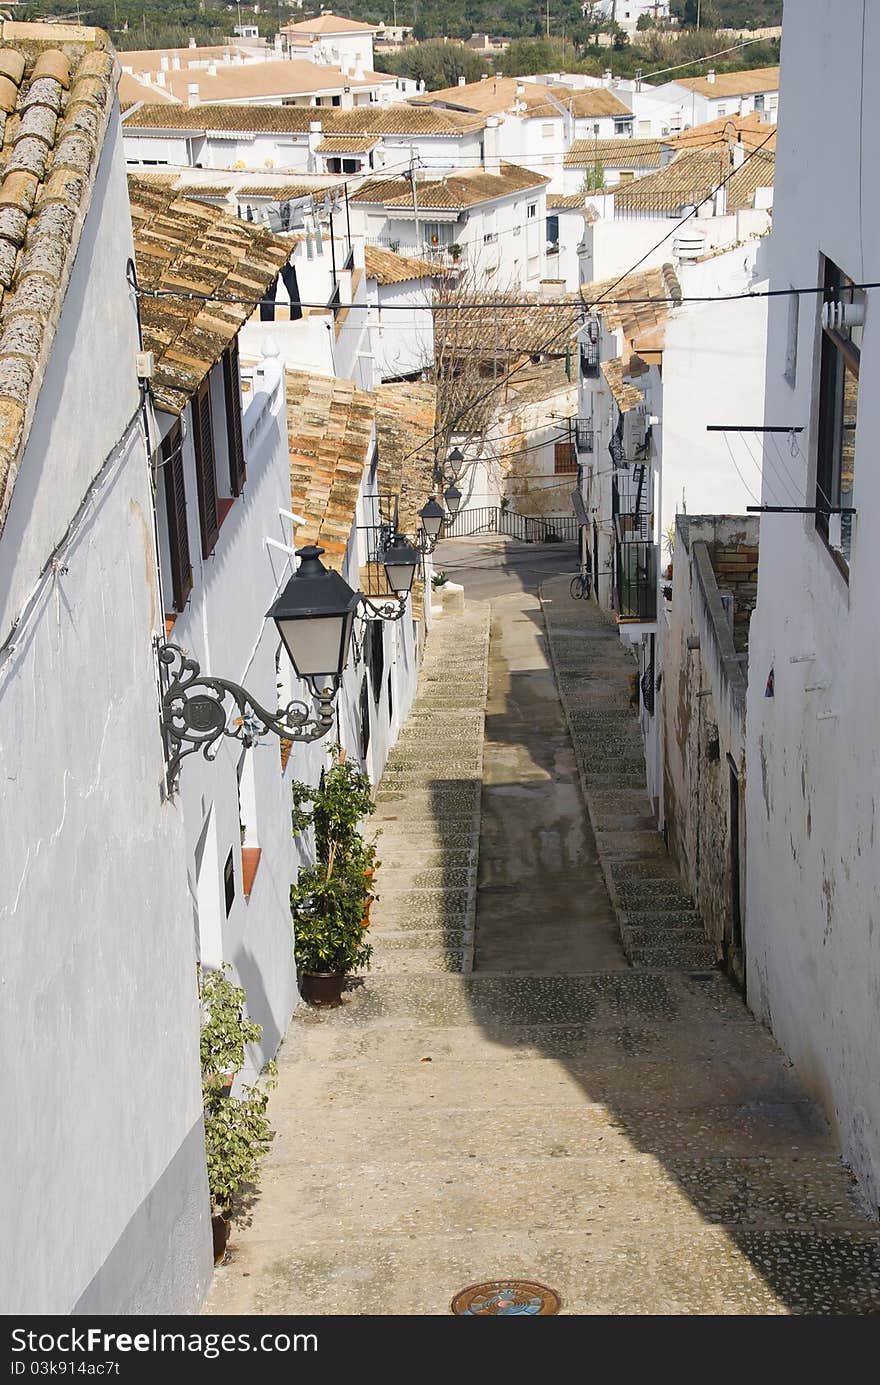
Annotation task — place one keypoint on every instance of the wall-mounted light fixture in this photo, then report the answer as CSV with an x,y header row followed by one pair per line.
x,y
315,616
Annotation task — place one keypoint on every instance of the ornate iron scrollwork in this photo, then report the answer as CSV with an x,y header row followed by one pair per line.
x,y
195,715
392,609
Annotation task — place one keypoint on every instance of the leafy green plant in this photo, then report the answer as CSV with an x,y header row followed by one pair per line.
x,y
328,903
439,579
237,1131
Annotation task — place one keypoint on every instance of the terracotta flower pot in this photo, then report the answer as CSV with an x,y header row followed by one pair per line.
x,y
322,988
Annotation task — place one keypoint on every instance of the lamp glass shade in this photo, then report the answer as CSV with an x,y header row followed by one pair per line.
x,y
315,614
432,517
455,459
452,497
400,561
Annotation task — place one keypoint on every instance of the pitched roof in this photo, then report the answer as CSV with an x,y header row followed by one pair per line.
x,y
566,202
150,59
756,80
250,81
347,144
501,325
626,396
692,177
393,120
406,419
329,431
596,101
131,91
496,95
56,95
452,192
749,130
614,153
329,24
621,301
387,267
184,245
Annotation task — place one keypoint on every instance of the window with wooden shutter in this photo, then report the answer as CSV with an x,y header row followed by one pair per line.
x,y
232,386
175,510
206,471
564,458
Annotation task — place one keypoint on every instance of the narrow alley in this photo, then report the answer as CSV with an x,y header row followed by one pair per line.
x,y
542,1075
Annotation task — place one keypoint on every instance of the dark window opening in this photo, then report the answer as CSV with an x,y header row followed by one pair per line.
x,y
390,700
838,410
206,471
232,389
365,718
564,458
171,456
229,881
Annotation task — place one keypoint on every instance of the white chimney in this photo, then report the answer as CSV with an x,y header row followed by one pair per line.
x,y
227,57
192,93
606,77
192,43
212,69
462,81
175,62
739,155
163,63
347,99
315,129
237,60
491,154
160,79
710,75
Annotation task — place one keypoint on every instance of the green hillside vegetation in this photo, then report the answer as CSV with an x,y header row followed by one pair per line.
x,y
172,23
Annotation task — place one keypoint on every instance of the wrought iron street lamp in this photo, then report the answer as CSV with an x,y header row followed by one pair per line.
x,y
401,561
314,615
452,497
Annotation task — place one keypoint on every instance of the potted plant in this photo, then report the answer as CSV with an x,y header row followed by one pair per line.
x,y
455,252
237,1133
330,901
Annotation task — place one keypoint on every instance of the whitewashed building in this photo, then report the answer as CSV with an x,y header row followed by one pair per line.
x,y
400,291
101,1088
812,866
718,95
331,40
490,220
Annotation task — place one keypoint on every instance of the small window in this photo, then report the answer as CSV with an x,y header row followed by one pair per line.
x,y
548,130
838,410
722,110
365,717
564,458
171,461
626,175
531,210
206,470
229,881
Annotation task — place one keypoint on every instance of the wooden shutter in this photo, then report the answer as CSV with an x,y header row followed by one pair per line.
x,y
564,458
175,510
206,472
237,469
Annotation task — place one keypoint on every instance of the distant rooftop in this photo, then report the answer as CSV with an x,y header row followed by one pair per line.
x,y
751,83
453,192
390,120
329,24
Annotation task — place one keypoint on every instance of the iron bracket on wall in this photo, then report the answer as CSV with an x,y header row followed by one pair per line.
x,y
195,715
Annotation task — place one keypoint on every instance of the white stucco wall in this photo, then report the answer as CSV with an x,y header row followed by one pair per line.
x,y
814,763
713,373
402,327
102,1144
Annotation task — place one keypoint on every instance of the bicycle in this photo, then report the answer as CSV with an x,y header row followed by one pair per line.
x,y
581,585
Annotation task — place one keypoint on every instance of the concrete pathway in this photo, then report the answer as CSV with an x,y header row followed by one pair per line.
x,y
628,1135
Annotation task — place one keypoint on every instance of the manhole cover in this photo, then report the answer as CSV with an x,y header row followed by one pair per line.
x,y
506,1297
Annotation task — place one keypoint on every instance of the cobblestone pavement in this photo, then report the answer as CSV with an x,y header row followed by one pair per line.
x,y
626,1134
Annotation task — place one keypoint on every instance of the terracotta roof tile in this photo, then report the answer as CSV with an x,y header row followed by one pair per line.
x,y
387,267
621,301
614,153
329,24
692,177
455,190
393,120
56,92
182,244
626,396
757,79
748,130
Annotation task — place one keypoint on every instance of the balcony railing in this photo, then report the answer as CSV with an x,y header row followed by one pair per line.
x,y
632,504
440,253
584,434
636,565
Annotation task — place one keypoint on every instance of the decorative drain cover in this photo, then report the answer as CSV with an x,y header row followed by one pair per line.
x,y
506,1297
